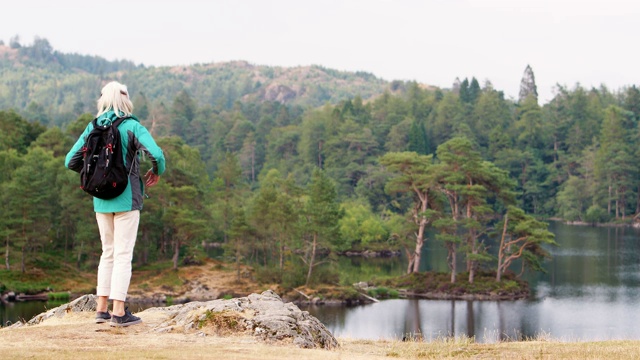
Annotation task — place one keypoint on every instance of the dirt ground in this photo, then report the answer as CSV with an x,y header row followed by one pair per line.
x,y
76,336
212,276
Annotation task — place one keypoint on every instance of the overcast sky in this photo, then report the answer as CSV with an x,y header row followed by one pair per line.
x,y
431,41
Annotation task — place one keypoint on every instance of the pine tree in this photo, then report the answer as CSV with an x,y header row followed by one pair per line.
x,y
323,213
418,138
522,238
528,85
414,177
464,93
474,90
615,165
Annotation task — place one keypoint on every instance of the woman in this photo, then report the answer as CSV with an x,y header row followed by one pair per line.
x,y
118,218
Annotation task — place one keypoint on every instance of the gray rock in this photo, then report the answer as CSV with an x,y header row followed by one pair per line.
x,y
83,303
264,315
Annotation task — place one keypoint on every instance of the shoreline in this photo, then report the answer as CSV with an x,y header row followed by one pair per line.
x,y
65,337
426,285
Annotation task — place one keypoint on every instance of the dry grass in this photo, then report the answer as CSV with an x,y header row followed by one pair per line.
x,y
76,336
212,274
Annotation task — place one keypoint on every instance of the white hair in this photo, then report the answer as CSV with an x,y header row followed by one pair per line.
x,y
115,96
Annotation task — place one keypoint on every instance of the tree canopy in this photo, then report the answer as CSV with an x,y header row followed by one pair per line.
x,y
275,180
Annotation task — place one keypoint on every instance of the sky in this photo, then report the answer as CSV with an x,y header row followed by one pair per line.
x,y
566,42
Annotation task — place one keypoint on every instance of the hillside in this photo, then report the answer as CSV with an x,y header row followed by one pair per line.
x,y
53,88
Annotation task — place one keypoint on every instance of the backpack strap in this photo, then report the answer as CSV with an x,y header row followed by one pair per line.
x,y
117,122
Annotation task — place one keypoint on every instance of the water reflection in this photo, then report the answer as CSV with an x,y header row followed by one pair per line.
x,y
590,292
24,311
489,321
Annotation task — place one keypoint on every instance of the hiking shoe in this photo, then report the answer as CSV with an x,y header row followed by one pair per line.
x,y
102,317
125,320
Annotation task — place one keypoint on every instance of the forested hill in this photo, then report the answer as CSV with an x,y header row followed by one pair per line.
x,y
54,88
267,160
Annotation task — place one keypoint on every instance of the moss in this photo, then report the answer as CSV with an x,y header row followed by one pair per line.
x,y
222,322
383,293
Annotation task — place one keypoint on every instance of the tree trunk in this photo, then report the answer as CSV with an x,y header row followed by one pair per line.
x,y
176,254
313,258
6,256
471,264
418,251
453,265
623,202
422,224
474,251
410,257
501,248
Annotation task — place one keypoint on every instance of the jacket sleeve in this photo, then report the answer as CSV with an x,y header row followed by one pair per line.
x,y
146,143
74,159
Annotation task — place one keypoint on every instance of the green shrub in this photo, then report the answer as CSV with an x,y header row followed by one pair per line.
x,y
58,296
510,285
383,293
268,274
596,214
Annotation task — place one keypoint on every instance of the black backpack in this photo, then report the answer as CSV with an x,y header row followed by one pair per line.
x,y
103,174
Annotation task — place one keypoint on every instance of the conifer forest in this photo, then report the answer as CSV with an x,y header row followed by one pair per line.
x,y
286,168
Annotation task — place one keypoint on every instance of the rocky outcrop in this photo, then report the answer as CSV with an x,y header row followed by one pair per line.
x,y
279,93
264,316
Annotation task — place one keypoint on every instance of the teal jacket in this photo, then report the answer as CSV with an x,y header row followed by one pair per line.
x,y
135,138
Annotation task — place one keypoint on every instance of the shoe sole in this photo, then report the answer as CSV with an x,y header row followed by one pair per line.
x,y
115,324
102,321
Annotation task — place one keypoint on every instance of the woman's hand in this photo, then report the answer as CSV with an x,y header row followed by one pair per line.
x,y
151,178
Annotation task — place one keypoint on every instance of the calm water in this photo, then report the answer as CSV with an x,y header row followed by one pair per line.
x,y
591,292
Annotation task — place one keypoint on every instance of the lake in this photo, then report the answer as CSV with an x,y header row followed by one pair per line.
x,y
591,291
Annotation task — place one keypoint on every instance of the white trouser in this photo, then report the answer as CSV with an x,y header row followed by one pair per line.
x,y
118,233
